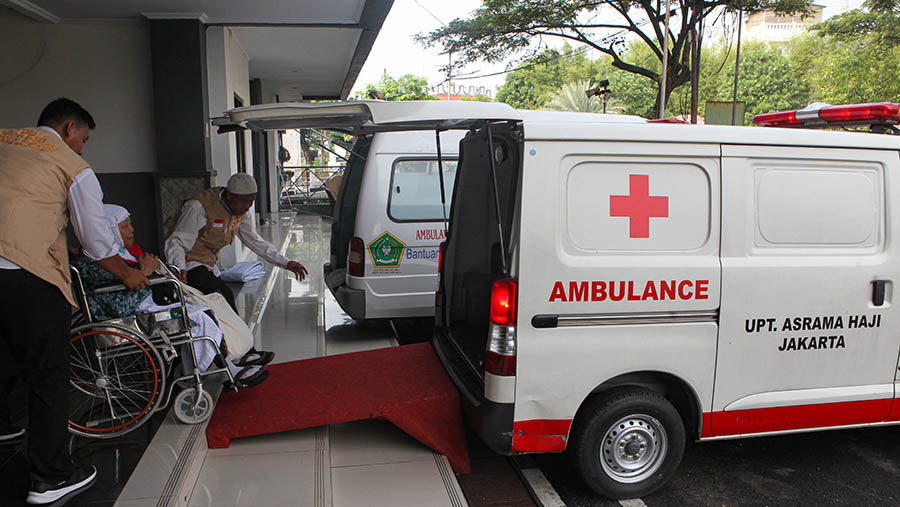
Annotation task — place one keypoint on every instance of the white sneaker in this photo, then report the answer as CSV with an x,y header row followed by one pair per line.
x,y
48,492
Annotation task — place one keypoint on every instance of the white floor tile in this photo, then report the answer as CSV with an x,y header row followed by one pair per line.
x,y
395,485
153,469
139,502
374,442
256,480
289,441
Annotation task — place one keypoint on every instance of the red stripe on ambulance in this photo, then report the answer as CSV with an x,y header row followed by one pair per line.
x,y
628,290
821,415
541,435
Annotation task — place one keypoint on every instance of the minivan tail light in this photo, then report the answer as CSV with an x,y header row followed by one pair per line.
x,y
500,357
356,257
441,255
503,302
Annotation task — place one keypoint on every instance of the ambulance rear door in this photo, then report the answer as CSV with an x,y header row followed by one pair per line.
x,y
808,331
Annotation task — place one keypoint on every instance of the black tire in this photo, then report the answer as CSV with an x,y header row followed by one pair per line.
x,y
646,430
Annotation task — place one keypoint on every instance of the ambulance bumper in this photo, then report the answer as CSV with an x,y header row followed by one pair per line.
x,y
492,421
352,301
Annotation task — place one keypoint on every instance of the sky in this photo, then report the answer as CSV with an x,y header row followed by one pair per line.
x,y
396,53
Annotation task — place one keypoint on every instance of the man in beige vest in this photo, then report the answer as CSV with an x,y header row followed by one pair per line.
x,y
45,184
208,222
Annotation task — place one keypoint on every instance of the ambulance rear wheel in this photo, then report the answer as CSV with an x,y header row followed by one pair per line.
x,y
627,444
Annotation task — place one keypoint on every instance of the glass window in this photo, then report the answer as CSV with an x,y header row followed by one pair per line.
x,y
416,192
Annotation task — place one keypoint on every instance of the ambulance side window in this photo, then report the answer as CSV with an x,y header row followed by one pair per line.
x,y
813,208
415,193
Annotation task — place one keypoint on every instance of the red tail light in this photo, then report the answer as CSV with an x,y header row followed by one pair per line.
x,y
500,358
356,257
441,255
503,302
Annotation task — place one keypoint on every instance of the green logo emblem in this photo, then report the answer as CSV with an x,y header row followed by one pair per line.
x,y
386,251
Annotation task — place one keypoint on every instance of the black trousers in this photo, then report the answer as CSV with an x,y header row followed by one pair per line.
x,y
34,331
203,279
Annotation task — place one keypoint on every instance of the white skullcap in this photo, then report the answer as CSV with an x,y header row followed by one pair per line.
x,y
241,184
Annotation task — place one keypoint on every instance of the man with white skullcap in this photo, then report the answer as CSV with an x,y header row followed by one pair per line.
x,y
208,222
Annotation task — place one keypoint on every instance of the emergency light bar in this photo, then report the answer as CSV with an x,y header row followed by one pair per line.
x,y
668,120
881,113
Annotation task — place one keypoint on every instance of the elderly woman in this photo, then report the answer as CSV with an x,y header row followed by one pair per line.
x,y
111,305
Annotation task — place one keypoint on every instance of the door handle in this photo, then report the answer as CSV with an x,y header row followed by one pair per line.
x,y
878,287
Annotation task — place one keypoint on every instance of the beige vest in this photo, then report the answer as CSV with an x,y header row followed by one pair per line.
x,y
220,230
36,170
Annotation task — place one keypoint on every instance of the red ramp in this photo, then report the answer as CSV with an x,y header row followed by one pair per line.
x,y
405,385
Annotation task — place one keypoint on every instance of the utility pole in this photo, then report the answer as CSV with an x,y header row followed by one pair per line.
x,y
737,66
695,73
665,64
449,73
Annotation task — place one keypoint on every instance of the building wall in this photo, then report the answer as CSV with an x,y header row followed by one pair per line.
x,y
229,75
104,67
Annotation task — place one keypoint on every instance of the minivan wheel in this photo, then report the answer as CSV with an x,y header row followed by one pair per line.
x,y
627,444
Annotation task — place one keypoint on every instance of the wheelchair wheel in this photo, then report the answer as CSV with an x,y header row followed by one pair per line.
x,y
190,410
116,378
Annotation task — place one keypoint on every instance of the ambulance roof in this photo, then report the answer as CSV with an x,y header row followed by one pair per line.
x,y
372,116
707,134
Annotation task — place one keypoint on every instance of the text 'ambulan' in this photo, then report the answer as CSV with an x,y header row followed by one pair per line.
x,y
652,290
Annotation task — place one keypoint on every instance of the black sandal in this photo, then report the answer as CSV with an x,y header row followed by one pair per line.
x,y
256,358
245,380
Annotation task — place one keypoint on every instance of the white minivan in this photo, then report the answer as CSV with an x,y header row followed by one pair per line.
x,y
389,222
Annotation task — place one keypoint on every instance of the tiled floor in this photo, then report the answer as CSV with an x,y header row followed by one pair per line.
x,y
365,463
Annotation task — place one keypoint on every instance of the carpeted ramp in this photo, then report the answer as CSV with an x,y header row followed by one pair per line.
x,y
405,385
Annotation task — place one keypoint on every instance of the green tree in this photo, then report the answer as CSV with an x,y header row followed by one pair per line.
x,y
500,28
768,82
408,87
859,56
573,97
538,78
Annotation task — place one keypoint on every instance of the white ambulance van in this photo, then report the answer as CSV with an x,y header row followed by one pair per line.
x,y
389,223
611,289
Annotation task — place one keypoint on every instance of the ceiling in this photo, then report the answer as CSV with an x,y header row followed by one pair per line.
x,y
309,48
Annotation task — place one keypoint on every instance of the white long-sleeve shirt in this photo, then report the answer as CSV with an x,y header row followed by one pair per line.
x,y
193,218
85,203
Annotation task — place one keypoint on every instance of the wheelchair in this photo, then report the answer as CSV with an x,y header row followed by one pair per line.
x,y
122,371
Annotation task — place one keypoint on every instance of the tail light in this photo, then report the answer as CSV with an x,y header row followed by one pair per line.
x,y
501,348
356,257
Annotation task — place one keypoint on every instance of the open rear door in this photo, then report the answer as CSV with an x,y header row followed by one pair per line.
x,y
364,116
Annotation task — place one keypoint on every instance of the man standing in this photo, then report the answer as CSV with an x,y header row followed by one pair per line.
x,y
209,221
45,184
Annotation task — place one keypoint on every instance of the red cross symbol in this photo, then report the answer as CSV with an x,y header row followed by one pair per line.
x,y
639,206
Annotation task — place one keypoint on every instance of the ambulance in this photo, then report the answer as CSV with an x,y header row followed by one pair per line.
x,y
611,289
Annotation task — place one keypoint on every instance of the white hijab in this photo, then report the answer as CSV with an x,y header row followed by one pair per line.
x,y
115,215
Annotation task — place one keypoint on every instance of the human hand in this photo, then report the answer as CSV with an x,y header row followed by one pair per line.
x,y
134,279
182,275
148,263
298,269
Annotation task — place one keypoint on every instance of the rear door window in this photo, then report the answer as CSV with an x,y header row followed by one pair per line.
x,y
415,194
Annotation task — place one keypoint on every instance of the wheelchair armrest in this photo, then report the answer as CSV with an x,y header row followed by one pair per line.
x,y
117,286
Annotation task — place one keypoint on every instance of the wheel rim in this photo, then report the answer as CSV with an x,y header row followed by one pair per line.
x,y
115,387
633,448
189,409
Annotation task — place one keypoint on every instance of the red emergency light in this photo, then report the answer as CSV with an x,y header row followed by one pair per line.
x,y
881,113
668,120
